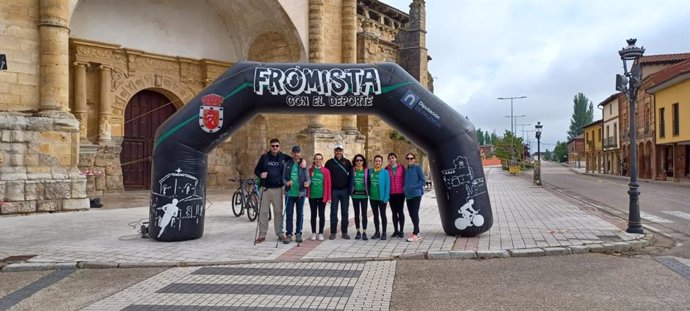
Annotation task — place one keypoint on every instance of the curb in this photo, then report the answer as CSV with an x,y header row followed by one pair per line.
x,y
606,248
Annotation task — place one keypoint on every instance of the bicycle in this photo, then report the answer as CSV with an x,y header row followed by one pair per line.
x,y
246,197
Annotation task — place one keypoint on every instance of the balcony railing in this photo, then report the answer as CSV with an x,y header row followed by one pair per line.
x,y
611,142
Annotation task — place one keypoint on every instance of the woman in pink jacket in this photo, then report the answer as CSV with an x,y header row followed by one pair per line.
x,y
319,193
397,198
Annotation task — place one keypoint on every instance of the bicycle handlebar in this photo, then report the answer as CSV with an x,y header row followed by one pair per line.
x,y
249,181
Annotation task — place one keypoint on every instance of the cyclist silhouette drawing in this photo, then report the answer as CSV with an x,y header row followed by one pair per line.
x,y
170,211
470,216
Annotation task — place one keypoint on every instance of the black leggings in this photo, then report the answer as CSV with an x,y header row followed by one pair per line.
x,y
360,206
397,205
413,209
379,208
320,206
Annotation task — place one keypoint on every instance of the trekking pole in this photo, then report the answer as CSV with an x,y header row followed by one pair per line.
x,y
282,219
258,213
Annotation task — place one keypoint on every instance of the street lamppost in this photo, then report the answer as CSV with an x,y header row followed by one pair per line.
x,y
628,83
511,109
537,168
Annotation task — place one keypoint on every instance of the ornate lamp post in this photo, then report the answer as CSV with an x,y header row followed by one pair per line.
x,y
628,83
537,168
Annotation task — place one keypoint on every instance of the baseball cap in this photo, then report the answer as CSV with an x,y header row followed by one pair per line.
x,y
338,146
296,149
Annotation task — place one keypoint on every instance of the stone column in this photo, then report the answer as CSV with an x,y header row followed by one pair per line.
x,y
316,47
104,128
80,109
349,30
53,27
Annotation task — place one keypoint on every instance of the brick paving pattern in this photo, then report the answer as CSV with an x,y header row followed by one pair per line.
x,y
269,286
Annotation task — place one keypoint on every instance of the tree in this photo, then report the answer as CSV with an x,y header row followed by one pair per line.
x,y
546,155
560,153
480,137
494,138
582,115
509,146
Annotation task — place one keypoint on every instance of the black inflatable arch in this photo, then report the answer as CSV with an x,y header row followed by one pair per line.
x,y
178,192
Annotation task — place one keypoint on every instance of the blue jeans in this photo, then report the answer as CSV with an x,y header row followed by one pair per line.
x,y
289,210
340,197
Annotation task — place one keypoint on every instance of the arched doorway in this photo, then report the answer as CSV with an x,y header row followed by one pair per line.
x,y
145,112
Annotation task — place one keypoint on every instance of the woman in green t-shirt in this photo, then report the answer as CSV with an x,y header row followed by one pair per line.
x,y
360,194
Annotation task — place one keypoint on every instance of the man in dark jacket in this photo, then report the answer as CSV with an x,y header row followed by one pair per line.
x,y
340,168
270,170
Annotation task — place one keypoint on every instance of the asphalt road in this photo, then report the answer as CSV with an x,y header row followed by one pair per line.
x,y
664,206
571,282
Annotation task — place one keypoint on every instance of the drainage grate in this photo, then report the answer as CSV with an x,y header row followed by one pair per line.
x,y
675,265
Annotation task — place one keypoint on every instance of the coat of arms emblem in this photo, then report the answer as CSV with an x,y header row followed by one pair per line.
x,y
211,113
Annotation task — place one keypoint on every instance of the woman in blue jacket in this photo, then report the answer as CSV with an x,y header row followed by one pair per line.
x,y
379,192
414,189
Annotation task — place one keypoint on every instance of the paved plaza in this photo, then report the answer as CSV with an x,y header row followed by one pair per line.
x,y
528,221
224,270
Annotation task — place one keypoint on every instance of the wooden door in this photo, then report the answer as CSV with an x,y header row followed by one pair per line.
x,y
144,114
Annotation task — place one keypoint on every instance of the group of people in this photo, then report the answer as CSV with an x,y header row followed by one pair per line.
x,y
337,181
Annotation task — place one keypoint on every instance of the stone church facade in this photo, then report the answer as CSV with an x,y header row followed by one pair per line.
x,y
88,82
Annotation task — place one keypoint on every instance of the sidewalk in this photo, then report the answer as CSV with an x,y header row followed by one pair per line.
x,y
528,221
683,182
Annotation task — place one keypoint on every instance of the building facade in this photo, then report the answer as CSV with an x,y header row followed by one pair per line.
x,y
594,155
671,93
576,151
88,82
612,163
645,117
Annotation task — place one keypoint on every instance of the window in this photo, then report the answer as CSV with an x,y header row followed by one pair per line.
x,y
598,134
615,134
662,122
611,109
676,121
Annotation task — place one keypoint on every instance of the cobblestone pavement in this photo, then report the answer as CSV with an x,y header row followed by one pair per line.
x,y
267,286
528,221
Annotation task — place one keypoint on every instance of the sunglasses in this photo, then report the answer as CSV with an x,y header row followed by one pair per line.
x,y
410,158
275,146
359,160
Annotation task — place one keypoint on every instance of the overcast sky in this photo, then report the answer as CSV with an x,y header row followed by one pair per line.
x,y
547,50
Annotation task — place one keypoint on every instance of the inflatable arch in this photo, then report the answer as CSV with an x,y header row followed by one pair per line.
x,y
182,144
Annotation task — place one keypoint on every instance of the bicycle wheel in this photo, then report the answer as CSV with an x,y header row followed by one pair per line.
x,y
252,207
237,204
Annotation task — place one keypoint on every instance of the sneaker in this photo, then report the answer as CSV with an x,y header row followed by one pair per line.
x,y
320,237
346,236
332,236
364,236
313,237
395,234
298,239
383,236
414,238
358,236
288,239
376,235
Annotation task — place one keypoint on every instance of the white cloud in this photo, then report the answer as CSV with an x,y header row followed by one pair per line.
x,y
546,50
